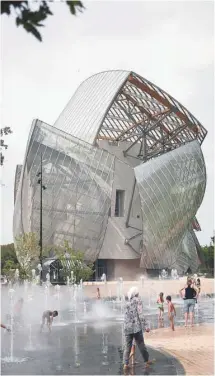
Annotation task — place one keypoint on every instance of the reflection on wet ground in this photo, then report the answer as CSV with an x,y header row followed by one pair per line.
x,y
92,346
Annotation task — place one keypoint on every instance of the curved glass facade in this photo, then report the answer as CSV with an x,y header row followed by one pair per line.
x,y
17,179
187,254
124,175
83,115
171,189
78,179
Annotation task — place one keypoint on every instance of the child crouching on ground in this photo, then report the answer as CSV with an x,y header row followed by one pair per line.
x,y
171,311
48,317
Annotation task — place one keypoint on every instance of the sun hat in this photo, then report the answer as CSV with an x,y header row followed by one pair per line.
x,y
132,292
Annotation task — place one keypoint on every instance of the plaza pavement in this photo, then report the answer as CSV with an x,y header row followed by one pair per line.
x,y
193,347
150,287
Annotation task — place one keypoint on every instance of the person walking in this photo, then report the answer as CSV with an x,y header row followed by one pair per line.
x,y
190,296
133,323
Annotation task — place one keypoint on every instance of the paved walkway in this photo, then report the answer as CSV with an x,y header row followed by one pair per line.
x,y
193,347
150,287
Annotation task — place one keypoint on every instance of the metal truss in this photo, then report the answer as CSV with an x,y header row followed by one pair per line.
x,y
144,114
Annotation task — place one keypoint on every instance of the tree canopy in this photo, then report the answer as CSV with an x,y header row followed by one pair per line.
x,y
4,132
31,15
8,254
73,261
9,262
208,252
27,248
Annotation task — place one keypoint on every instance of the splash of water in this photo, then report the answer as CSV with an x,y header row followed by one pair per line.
x,y
11,295
7,359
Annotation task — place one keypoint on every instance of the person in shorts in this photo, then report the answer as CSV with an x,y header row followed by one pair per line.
x,y
190,297
48,318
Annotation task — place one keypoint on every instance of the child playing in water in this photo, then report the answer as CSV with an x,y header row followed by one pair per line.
x,y
160,303
98,293
48,317
171,311
198,285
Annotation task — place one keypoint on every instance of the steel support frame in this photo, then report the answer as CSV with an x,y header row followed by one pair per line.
x,y
135,124
146,132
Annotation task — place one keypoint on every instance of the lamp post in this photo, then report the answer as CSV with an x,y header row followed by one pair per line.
x,y
42,188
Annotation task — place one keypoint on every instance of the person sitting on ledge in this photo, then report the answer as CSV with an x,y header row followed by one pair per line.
x,y
133,321
48,317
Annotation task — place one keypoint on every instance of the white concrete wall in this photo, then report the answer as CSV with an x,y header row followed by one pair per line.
x,y
129,270
114,246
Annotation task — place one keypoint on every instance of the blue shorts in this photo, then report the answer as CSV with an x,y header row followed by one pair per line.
x,y
189,305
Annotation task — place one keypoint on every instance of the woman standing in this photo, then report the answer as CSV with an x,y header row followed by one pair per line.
x,y
134,323
190,297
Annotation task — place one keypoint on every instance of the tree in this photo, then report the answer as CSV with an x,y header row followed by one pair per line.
x,y
9,262
31,19
8,254
208,265
4,132
72,260
9,269
28,250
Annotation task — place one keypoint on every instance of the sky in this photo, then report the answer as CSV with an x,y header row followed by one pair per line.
x,y
168,42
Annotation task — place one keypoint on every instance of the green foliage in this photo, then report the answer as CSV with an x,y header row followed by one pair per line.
x,y
8,254
31,19
9,269
208,266
28,250
208,252
4,132
72,260
9,262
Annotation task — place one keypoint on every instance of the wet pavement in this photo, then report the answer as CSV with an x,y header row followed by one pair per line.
x,y
80,350
92,346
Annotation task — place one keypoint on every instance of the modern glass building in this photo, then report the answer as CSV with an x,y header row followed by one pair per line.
x,y
124,176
